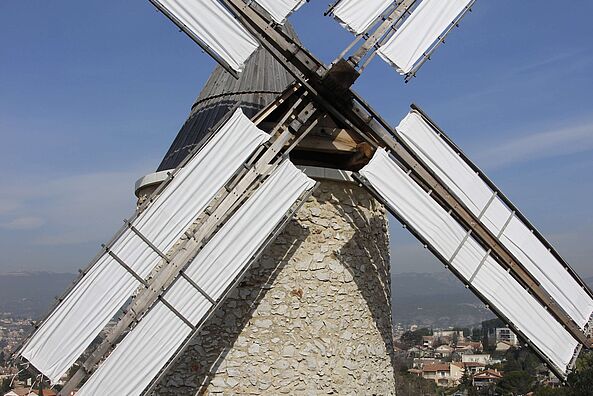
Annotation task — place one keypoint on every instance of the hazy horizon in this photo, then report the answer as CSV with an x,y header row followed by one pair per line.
x,y
93,93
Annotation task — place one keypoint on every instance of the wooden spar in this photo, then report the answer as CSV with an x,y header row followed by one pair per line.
x,y
295,208
210,134
380,31
296,123
354,114
503,197
365,121
363,182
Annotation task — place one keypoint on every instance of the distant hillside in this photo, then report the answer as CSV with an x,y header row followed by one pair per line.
x,y
30,294
438,300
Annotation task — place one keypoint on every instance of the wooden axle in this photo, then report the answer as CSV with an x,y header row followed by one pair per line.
x,y
360,118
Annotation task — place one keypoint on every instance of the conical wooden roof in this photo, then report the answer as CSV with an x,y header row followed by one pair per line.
x,y
262,80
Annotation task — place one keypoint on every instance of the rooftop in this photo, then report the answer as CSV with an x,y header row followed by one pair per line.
x,y
436,367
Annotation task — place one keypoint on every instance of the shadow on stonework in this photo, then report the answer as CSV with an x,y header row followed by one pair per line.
x,y
373,283
192,372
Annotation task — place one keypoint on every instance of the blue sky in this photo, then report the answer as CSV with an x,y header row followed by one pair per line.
x,y
93,92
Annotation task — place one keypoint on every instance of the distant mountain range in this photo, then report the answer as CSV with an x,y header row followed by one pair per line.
x,y
435,299
30,294
438,300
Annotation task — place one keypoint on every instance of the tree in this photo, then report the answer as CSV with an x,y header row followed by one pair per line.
x,y
466,331
515,383
476,334
580,382
412,385
466,384
4,386
488,339
414,337
466,379
454,340
551,392
521,359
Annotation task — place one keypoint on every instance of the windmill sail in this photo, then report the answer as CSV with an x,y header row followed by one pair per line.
x,y
213,27
519,238
358,16
139,358
525,299
457,249
102,292
420,31
279,10
364,117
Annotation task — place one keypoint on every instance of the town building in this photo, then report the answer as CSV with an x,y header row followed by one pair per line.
x,y
504,334
494,336
503,346
443,374
438,333
440,373
418,363
443,351
476,346
29,392
477,358
428,341
486,378
471,367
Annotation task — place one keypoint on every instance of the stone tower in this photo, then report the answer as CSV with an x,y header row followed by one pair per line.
x,y
313,315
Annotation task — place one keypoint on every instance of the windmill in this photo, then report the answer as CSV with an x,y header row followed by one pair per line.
x,y
177,259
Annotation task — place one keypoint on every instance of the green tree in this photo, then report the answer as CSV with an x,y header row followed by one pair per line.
x,y
465,381
521,359
515,383
466,331
412,385
476,334
580,382
455,340
488,327
551,392
466,384
414,337
4,386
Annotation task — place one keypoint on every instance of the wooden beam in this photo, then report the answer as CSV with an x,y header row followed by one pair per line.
x,y
358,116
297,120
324,140
394,17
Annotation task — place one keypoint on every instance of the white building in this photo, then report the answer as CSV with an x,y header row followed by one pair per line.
x,y
477,358
504,334
448,333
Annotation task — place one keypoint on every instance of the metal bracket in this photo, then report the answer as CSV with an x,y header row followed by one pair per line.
x,y
145,240
162,299
123,264
195,286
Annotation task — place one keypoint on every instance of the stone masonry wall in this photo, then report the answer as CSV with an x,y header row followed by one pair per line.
x,y
313,316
